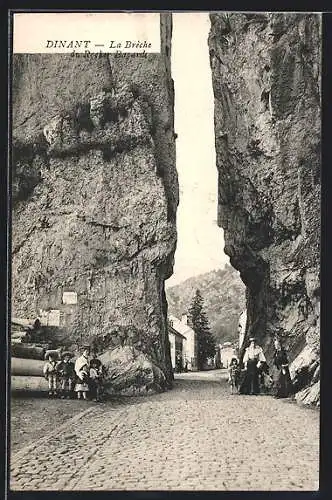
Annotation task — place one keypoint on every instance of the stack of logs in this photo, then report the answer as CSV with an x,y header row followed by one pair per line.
x,y
27,358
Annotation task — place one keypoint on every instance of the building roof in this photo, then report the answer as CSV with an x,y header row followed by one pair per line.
x,y
181,327
175,332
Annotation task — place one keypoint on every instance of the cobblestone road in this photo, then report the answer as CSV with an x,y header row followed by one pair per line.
x,y
195,437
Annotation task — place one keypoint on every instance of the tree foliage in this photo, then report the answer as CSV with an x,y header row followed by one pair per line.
x,y
200,325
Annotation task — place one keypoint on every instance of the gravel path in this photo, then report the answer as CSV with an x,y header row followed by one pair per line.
x,y
195,437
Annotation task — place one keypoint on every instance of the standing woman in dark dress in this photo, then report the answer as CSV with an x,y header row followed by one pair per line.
x,y
283,387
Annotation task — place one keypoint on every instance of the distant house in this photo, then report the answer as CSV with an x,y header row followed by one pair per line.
x,y
176,341
182,327
227,352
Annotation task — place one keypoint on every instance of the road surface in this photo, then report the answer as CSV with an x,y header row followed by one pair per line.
x,y
195,437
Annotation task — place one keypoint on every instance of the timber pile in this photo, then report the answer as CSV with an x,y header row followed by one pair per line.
x,y
29,348
31,383
27,367
27,375
27,351
21,331
20,337
32,331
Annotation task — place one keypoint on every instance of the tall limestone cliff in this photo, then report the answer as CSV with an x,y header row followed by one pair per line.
x,y
95,194
266,71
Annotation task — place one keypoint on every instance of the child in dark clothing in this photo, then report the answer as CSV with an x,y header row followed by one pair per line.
x,y
283,386
96,376
66,372
264,378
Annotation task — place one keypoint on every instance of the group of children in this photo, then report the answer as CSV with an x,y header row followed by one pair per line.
x,y
65,378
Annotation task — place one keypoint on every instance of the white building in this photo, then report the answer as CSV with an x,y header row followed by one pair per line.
x,y
227,352
176,341
189,343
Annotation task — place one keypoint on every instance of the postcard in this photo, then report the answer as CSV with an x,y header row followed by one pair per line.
x,y
165,267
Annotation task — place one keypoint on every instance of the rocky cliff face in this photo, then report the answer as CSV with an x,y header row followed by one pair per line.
x,y
95,194
266,79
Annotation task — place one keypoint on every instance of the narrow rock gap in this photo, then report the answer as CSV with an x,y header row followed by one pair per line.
x,y
200,262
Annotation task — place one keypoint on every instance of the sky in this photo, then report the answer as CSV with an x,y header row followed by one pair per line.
x,y
200,241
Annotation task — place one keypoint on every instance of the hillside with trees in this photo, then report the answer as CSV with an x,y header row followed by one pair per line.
x,y
224,300
200,325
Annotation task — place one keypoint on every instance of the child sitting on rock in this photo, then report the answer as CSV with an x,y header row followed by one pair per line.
x,y
51,374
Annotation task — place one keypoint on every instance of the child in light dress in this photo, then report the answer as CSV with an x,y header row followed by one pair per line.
x,y
82,373
66,371
82,386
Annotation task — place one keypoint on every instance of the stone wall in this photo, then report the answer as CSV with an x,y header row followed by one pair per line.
x,y
95,194
266,71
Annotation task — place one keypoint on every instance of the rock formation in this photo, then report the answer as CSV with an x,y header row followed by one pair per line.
x,y
94,196
266,72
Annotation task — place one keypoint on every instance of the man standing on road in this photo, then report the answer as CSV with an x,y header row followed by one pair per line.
x,y
252,359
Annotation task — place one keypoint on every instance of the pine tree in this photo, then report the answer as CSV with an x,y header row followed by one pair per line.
x,y
200,325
